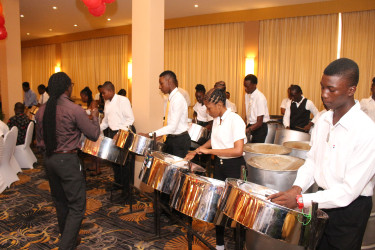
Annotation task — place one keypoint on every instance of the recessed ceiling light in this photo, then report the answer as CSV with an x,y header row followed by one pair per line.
x,y
22,15
75,25
196,6
108,19
28,34
50,29
54,7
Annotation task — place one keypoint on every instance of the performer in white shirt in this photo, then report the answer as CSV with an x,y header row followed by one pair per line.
x,y
284,102
341,161
200,110
227,140
297,113
230,104
257,114
118,114
43,98
176,117
368,104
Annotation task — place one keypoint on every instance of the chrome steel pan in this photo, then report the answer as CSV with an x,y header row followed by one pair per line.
x,y
198,133
137,144
196,196
160,170
272,127
246,203
299,148
255,149
282,135
105,149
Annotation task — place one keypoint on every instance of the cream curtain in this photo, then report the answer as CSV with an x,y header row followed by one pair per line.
x,y
94,61
295,51
38,64
207,54
358,44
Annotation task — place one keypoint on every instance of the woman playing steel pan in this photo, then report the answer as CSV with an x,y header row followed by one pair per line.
x,y
226,143
200,111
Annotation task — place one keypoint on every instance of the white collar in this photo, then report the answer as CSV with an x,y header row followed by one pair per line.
x,y
173,93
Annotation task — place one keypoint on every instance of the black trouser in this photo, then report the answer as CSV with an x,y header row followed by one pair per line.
x,y
226,168
121,176
346,225
178,145
259,135
68,190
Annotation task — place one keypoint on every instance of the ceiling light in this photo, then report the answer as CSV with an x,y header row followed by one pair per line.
x,y
75,25
50,29
54,7
22,15
108,19
196,6
28,34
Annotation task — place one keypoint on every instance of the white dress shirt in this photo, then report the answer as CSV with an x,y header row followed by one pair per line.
x,y
256,105
341,160
43,98
177,121
309,106
284,103
97,97
368,106
186,96
230,105
231,129
202,114
118,113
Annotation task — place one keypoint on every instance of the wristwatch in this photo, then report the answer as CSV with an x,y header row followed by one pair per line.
x,y
299,200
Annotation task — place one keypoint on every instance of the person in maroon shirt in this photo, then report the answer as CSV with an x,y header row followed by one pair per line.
x,y
21,121
59,125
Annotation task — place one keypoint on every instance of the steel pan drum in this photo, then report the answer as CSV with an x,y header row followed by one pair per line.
x,y
105,149
299,148
196,196
255,149
282,135
160,170
272,127
273,171
198,133
246,203
137,144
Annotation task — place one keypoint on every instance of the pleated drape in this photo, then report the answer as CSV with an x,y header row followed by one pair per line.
x,y
295,51
207,54
358,44
38,64
94,61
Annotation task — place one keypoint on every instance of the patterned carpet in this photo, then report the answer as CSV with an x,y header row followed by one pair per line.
x,y
28,218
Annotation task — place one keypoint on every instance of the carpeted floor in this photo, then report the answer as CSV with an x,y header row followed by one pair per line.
x,y
28,219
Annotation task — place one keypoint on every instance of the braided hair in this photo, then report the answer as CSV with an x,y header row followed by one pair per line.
x,y
215,96
87,92
58,83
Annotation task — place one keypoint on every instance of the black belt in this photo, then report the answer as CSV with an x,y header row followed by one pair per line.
x,y
183,133
222,160
66,152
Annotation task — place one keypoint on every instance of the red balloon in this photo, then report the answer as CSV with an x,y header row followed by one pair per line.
x,y
3,33
109,1
92,4
2,20
98,11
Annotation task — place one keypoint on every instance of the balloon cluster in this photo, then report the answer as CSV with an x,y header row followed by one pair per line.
x,y
96,7
3,30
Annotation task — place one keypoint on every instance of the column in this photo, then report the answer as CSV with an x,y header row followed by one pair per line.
x,y
10,59
148,63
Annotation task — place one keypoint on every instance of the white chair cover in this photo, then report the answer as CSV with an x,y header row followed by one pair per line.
x,y
3,185
4,129
8,173
23,153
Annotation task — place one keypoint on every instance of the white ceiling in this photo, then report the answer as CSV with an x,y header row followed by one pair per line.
x,y
40,17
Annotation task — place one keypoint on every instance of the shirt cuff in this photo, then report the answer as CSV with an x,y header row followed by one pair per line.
x,y
307,200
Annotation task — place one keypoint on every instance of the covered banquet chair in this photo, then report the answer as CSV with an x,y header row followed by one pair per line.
x,y
23,153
